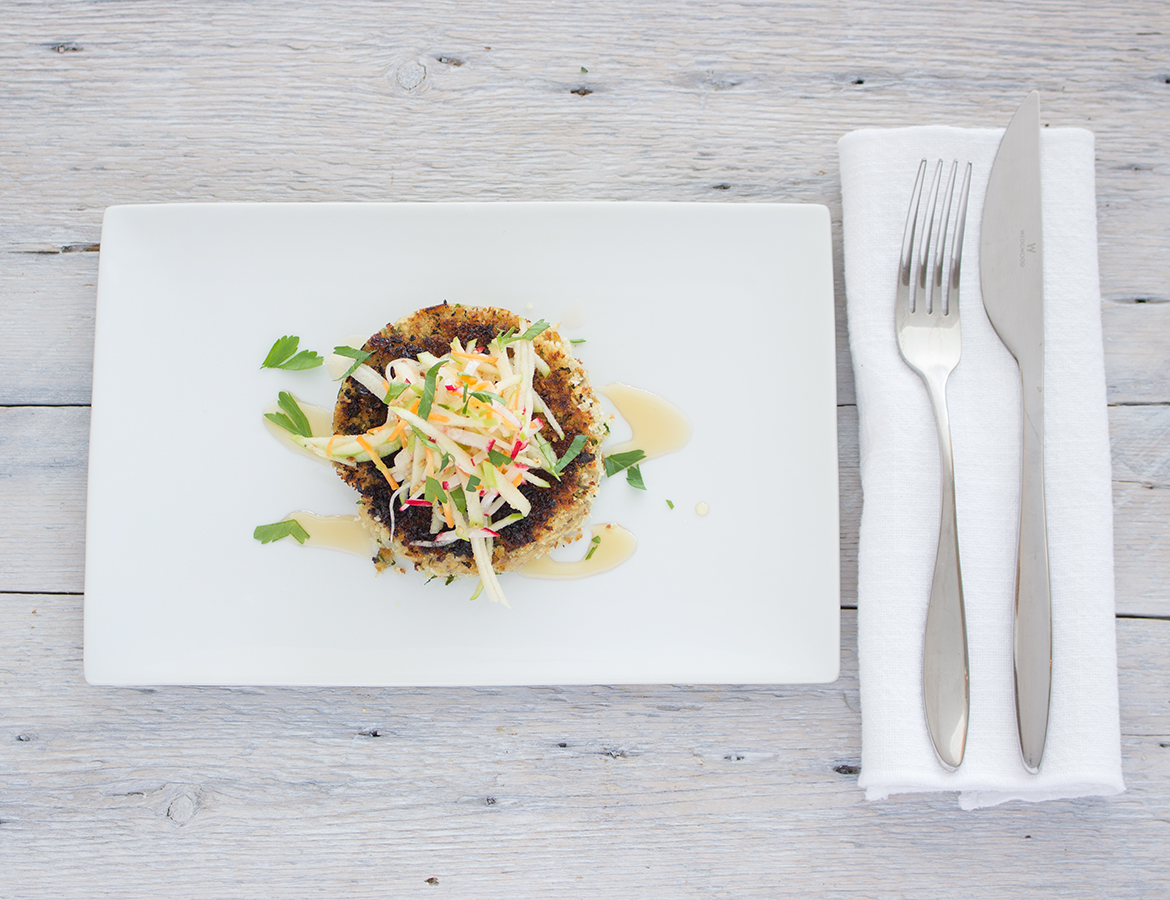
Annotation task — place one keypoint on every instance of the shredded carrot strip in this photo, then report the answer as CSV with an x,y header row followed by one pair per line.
x,y
438,417
447,514
329,446
377,461
398,429
519,477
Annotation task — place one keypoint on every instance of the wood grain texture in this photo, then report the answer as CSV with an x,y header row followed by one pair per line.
x,y
662,791
43,461
666,791
116,103
42,536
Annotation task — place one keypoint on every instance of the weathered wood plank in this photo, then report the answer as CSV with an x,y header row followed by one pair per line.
x,y
1137,351
682,791
47,327
746,107
43,462
43,468
47,321
1140,437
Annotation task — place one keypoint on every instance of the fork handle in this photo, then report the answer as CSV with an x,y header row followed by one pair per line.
x,y
945,687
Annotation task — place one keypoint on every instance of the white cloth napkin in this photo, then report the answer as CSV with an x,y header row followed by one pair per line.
x,y
900,483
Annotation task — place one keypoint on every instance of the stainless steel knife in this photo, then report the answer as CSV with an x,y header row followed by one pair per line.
x,y
1011,275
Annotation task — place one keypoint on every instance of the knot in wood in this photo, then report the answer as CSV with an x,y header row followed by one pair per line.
x,y
182,809
410,75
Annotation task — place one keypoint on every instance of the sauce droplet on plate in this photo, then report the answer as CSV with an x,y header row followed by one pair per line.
x,y
344,533
320,425
659,427
615,547
702,508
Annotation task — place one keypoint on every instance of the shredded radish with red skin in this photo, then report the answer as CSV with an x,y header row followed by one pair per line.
x,y
478,442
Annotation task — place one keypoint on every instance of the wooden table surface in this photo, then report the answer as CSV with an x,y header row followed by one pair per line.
x,y
668,791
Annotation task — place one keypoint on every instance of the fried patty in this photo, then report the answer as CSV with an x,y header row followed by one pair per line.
x,y
558,511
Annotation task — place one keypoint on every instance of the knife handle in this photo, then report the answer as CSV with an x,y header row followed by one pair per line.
x,y
945,685
1032,627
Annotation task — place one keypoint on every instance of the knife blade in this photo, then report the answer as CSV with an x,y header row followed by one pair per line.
x,y
1011,275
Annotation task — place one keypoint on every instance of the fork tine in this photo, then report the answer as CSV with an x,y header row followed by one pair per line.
x,y
957,249
935,298
906,263
924,249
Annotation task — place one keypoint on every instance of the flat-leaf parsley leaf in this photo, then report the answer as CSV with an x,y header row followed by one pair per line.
x,y
266,534
619,461
570,454
428,394
358,357
295,420
283,355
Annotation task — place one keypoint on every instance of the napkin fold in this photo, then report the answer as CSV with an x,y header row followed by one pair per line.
x,y
900,483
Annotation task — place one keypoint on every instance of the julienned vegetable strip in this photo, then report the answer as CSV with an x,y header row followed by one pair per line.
x,y
463,433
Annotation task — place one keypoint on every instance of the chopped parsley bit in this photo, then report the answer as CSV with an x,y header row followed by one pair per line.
x,y
487,397
434,492
549,455
266,534
450,578
570,454
497,458
473,482
358,357
634,478
296,421
428,441
428,395
576,340
540,327
283,355
595,542
510,336
583,69
619,461
396,388
670,504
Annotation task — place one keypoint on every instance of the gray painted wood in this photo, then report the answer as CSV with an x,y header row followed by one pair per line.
x,y
664,791
42,488
668,791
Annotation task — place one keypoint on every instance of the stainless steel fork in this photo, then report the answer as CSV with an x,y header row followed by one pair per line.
x,y
928,338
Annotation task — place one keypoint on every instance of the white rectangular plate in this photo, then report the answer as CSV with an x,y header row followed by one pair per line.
x,y
724,310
